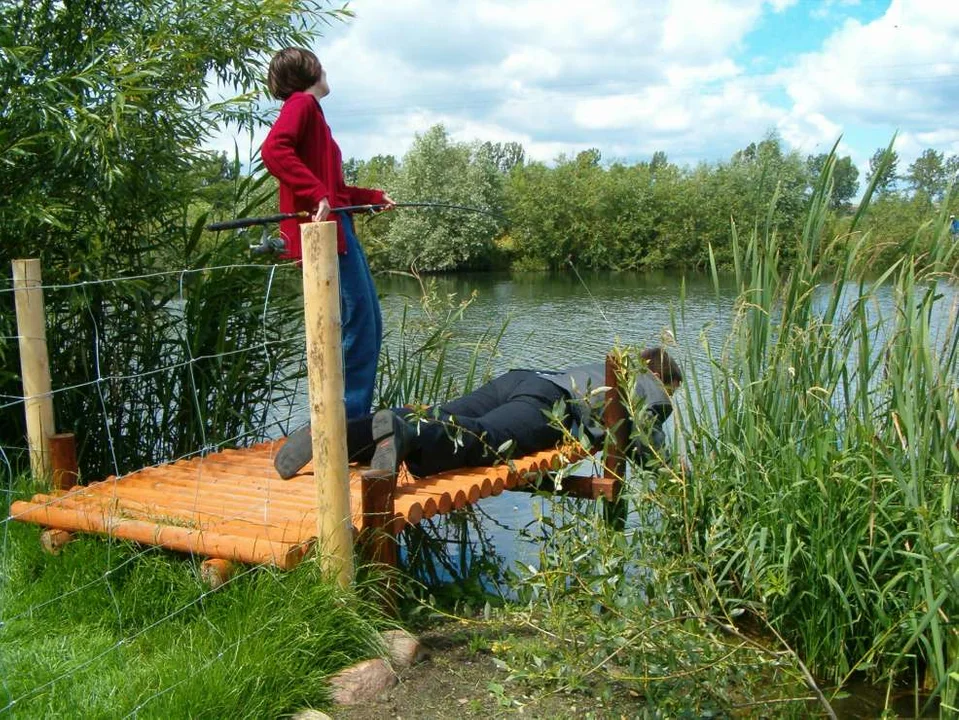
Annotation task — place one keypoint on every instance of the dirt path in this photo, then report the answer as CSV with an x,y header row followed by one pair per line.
x,y
459,679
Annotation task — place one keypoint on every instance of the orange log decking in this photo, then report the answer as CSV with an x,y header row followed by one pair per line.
x,y
232,505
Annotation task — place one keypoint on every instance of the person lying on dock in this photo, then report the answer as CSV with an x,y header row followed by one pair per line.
x,y
509,416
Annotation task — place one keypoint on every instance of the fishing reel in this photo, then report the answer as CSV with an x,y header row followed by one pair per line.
x,y
269,244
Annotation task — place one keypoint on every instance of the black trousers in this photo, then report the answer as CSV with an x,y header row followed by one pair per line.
x,y
468,431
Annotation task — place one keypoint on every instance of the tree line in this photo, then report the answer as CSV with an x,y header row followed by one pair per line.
x,y
652,214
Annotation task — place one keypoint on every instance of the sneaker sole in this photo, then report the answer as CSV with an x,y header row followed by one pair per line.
x,y
384,457
295,454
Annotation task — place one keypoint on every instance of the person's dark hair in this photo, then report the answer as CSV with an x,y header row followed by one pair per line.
x,y
292,70
659,362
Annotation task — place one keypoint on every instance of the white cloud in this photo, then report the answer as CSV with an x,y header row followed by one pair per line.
x,y
631,78
531,64
705,29
554,74
904,65
811,133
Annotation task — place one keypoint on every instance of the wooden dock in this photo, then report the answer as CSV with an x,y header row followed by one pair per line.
x,y
232,505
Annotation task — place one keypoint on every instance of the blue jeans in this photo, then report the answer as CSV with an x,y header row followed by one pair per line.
x,y
362,325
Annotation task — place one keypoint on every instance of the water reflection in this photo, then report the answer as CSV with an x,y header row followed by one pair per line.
x,y
471,552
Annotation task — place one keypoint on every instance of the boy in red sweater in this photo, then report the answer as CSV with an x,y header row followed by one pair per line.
x,y
301,153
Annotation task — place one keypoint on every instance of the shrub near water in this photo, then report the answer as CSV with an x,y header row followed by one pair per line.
x,y
824,445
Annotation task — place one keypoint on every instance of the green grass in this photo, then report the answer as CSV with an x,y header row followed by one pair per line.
x,y
107,629
113,629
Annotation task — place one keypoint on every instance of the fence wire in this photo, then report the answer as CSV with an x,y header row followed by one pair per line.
x,y
147,370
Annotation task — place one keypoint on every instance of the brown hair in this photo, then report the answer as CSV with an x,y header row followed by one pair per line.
x,y
292,70
661,364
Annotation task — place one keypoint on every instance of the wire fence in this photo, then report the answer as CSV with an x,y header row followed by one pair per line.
x,y
156,368
147,370
152,342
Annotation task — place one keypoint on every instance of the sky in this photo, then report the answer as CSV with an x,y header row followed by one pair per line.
x,y
697,79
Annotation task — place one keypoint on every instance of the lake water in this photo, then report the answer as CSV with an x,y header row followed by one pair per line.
x,y
551,321
558,320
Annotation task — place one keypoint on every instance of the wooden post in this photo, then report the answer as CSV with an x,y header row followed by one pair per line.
x,y
615,420
324,358
376,537
63,460
216,572
34,363
53,540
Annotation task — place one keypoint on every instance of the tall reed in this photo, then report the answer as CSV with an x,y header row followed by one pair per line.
x,y
823,444
427,357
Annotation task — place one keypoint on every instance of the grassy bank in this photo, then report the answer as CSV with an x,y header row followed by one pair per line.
x,y
109,629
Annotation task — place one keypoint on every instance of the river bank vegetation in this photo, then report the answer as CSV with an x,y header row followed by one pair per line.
x,y
591,212
810,496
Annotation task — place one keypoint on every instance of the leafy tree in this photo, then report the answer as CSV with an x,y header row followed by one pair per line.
x,y
658,161
845,178
952,169
744,188
379,172
440,170
883,165
216,179
106,108
556,213
928,175
503,156
351,171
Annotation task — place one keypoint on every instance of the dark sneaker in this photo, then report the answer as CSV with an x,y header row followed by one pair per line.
x,y
296,452
393,438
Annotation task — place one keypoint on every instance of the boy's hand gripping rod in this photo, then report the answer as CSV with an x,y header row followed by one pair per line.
x,y
305,215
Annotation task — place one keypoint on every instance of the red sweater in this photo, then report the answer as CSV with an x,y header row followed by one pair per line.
x,y
301,153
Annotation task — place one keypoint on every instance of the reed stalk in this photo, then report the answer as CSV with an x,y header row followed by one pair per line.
x,y
823,438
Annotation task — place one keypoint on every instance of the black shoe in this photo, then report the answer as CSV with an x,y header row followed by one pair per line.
x,y
394,439
296,452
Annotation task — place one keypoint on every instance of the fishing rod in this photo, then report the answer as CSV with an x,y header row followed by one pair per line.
x,y
372,208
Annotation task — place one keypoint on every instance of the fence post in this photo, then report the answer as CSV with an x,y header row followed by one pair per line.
x,y
324,359
63,460
379,516
615,419
34,363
